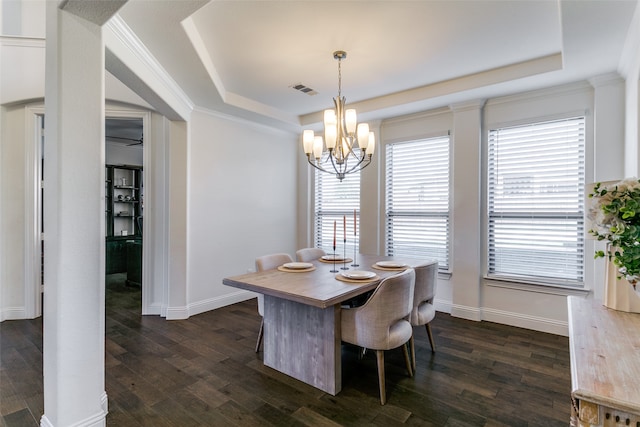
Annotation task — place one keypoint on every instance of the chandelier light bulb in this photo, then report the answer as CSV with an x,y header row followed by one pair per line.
x,y
350,121
330,117
307,141
331,136
363,135
317,147
371,147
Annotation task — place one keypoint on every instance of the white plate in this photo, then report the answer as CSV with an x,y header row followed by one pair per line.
x,y
297,265
390,264
358,274
332,257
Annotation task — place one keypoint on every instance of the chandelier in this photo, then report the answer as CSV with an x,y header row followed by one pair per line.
x,y
348,146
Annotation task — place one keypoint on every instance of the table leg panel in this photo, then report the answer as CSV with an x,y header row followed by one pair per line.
x,y
303,342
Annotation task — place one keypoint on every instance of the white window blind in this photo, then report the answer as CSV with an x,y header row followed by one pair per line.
x,y
417,199
335,200
536,177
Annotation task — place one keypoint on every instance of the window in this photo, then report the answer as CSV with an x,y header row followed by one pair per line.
x,y
335,200
417,199
536,202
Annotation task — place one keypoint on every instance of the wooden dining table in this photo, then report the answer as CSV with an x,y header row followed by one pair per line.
x,y
302,316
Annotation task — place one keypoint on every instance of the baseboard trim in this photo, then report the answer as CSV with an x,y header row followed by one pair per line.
x,y
519,320
13,313
218,302
177,313
536,323
104,401
153,310
442,306
465,312
98,419
510,318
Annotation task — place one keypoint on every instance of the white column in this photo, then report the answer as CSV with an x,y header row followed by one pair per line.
x,y
74,228
466,161
178,232
632,129
629,67
608,155
608,126
372,203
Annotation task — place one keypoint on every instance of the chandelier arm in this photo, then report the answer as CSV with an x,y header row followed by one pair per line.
x,y
340,173
355,167
336,168
314,165
353,140
341,118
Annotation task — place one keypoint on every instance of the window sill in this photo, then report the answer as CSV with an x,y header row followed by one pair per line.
x,y
444,275
536,287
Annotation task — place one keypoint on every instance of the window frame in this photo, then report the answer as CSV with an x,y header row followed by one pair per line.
x,y
347,214
444,268
545,285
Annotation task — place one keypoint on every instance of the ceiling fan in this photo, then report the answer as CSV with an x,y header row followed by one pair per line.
x,y
136,141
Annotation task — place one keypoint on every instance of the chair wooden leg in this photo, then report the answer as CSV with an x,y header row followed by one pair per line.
x,y
260,335
383,393
413,354
433,344
407,360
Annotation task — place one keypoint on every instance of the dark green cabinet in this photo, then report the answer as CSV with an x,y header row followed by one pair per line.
x,y
123,221
116,256
134,262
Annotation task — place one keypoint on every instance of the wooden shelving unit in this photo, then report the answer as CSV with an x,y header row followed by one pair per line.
x,y
123,216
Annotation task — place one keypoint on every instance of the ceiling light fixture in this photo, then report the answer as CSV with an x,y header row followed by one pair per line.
x,y
347,146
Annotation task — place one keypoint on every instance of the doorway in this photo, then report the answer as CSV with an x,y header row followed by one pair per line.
x,y
124,204
118,121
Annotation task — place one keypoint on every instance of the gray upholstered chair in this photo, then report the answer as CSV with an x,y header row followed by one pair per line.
x,y
263,263
423,311
381,322
309,254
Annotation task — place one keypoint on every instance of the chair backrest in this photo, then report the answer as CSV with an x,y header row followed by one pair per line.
x,y
425,289
269,262
309,254
390,304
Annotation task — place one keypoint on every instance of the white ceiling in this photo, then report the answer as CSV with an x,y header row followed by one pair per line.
x,y
403,56
124,131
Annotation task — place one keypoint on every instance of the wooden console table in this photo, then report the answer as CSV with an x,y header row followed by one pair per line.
x,y
605,364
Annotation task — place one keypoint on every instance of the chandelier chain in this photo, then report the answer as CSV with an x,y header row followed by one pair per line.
x,y
339,77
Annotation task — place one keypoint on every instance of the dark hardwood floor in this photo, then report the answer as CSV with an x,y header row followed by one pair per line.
x,y
204,372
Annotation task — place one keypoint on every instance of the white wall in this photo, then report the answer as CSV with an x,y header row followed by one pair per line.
x,y
242,203
23,18
12,218
630,65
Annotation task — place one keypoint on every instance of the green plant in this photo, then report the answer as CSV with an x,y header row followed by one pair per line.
x,y
615,216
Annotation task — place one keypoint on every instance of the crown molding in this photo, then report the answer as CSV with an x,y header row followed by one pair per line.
x,y
606,79
247,122
128,39
475,104
37,42
547,92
